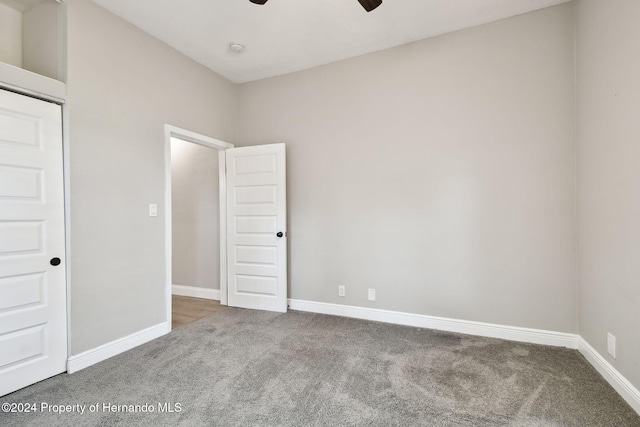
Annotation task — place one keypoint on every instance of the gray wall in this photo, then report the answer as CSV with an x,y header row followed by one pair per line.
x,y
123,86
34,38
10,36
43,40
195,214
609,173
440,173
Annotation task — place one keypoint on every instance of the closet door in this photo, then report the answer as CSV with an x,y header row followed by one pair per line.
x,y
33,328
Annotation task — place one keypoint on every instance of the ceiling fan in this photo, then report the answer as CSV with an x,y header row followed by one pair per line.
x,y
368,5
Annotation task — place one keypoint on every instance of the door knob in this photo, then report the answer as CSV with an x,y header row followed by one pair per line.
x,y
55,261
279,234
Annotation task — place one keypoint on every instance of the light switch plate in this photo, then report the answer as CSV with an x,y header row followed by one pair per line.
x,y
153,210
371,294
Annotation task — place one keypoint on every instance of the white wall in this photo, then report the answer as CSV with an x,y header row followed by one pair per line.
x,y
10,36
195,215
440,173
123,86
609,177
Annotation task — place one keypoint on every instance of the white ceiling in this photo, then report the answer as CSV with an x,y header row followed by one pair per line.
x,y
283,36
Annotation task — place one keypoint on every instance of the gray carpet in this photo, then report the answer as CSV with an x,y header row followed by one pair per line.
x,y
250,368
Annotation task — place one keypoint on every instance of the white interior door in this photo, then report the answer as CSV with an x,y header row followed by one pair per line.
x,y
33,330
256,227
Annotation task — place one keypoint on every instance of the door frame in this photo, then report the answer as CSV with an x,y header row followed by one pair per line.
x,y
206,141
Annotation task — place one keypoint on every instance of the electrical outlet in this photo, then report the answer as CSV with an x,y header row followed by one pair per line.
x,y
341,292
611,345
371,294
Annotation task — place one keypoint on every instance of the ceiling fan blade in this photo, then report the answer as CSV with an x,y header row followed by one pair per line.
x,y
368,5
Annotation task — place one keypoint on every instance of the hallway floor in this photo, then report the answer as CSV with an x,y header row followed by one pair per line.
x,y
185,310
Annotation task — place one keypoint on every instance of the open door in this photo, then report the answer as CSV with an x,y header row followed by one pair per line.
x,y
256,227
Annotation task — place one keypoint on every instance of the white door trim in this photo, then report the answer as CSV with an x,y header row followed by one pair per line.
x,y
186,135
32,84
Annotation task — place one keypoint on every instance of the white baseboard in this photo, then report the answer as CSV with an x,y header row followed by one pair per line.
x,y
628,392
195,292
535,336
105,351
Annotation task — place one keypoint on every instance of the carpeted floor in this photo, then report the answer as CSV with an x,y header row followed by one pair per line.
x,y
251,368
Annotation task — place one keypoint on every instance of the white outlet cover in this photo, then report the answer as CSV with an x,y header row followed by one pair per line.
x,y
153,210
611,345
371,294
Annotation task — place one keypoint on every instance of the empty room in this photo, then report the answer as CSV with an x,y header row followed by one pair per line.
x,y
396,212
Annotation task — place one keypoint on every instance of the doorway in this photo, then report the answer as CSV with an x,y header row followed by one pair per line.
x,y
196,260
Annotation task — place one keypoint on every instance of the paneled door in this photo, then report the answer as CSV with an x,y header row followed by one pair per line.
x,y
256,227
33,328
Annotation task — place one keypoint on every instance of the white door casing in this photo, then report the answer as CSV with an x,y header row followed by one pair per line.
x,y
196,138
256,227
33,330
